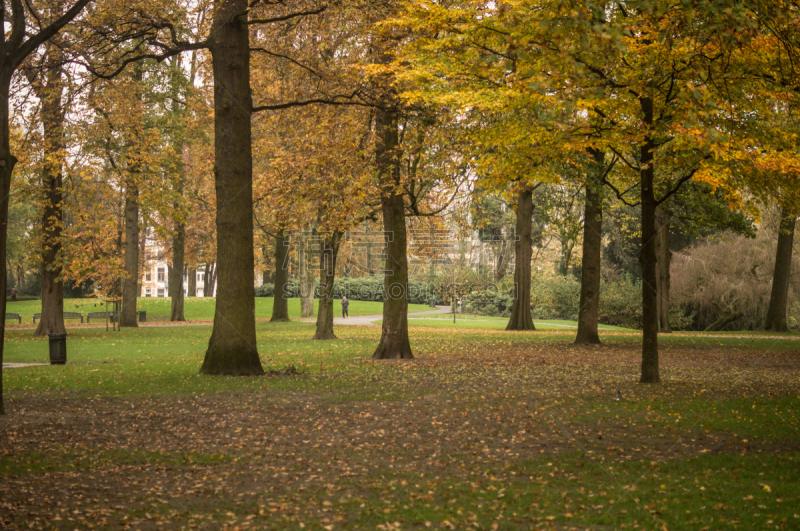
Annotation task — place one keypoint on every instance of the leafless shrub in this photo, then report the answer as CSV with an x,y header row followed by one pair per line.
x,y
730,276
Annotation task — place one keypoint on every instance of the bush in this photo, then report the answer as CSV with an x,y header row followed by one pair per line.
x,y
621,300
555,297
489,302
731,275
356,289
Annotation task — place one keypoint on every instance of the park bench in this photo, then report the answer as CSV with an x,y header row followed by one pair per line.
x,y
112,316
16,316
67,315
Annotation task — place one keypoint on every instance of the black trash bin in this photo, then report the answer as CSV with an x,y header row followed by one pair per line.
x,y
142,316
58,349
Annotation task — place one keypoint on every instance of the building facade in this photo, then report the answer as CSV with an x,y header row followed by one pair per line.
x,y
155,280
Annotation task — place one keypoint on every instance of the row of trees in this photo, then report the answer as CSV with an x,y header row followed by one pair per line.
x,y
326,116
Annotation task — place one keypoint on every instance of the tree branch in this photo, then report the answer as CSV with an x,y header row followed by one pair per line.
x,y
21,50
287,17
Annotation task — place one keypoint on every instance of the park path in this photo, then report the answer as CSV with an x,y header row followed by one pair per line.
x,y
366,320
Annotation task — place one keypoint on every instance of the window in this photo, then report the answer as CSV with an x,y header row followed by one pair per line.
x,y
160,292
148,276
160,275
148,292
199,277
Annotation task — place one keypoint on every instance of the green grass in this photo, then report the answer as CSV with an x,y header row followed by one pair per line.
x,y
493,323
515,429
195,308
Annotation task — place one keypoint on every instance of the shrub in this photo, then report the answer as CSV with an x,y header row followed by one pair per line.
x,y
555,297
731,275
357,289
489,302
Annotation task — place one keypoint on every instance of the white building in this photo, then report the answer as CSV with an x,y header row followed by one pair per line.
x,y
155,280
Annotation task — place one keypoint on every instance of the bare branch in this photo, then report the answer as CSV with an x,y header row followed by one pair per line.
x,y
290,16
22,50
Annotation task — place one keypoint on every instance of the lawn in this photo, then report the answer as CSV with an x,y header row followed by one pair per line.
x,y
484,429
195,308
465,321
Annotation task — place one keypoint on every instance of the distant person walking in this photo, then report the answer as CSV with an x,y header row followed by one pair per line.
x,y
345,305
14,293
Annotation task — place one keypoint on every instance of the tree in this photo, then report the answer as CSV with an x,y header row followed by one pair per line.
x,y
47,81
589,306
23,32
521,318
776,313
232,347
280,303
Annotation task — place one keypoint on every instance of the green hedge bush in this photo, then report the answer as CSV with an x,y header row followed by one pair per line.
x,y
356,289
558,297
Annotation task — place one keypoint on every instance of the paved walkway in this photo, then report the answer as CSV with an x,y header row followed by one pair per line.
x,y
366,320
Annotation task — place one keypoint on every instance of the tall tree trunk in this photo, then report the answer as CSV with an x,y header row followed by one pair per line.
x,y
52,321
664,257
130,284
212,281
523,252
191,287
500,264
143,258
232,348
329,250
776,312
280,300
7,163
306,279
207,280
176,272
566,257
394,343
650,370
589,308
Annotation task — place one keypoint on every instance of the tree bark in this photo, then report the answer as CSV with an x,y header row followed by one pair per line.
x,y
664,258
329,251
7,163
776,312
232,348
566,257
500,264
207,270
394,343
523,252
191,287
650,369
212,280
130,284
280,299
589,309
52,321
176,272
307,279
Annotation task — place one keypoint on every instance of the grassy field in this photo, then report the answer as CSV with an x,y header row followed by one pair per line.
x,y
484,429
195,308
492,323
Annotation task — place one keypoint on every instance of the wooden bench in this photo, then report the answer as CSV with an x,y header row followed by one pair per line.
x,y
112,316
16,316
67,315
